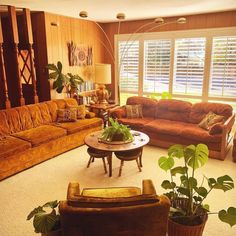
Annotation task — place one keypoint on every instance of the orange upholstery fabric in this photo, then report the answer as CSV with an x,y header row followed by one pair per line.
x,y
45,113
216,129
25,118
35,115
200,110
73,127
173,110
61,103
119,113
148,105
135,123
4,127
41,134
52,107
13,120
142,215
70,102
12,146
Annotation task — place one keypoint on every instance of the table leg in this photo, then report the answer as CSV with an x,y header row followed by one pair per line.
x,y
109,158
140,158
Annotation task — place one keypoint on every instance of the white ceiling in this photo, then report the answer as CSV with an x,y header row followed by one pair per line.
x,y
106,10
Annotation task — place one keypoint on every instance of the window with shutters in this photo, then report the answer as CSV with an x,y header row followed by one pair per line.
x,y
223,67
156,65
189,65
129,66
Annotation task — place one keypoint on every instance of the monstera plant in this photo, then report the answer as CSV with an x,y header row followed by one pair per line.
x,y
187,194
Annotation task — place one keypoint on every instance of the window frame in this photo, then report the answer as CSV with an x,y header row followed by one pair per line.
x,y
207,33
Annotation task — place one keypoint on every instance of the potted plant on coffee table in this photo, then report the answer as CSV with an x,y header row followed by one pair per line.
x,y
187,194
46,220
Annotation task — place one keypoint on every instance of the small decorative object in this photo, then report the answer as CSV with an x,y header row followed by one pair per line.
x,y
116,133
47,223
188,213
102,77
79,55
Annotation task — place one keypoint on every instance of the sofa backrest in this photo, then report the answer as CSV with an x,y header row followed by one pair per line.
x,y
17,119
173,109
149,105
201,109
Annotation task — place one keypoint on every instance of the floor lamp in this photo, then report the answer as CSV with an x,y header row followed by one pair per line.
x,y
147,27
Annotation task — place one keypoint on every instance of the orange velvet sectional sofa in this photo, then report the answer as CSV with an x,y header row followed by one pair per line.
x,y
30,134
169,122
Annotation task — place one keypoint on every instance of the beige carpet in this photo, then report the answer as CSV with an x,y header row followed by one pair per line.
x,y
48,181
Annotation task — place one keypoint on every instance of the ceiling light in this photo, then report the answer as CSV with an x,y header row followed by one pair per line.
x,y
120,16
83,14
159,20
181,20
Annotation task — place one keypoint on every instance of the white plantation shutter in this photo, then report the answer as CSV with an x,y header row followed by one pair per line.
x,y
156,65
223,67
189,66
129,65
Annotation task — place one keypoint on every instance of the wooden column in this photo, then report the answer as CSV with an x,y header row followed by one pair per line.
x,y
29,42
15,41
3,71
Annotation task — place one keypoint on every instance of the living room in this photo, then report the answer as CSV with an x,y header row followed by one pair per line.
x,y
165,70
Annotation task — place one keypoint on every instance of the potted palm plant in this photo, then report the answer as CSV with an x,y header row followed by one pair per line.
x,y
46,220
188,213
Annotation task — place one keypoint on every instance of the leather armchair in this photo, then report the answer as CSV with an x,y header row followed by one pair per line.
x,y
114,211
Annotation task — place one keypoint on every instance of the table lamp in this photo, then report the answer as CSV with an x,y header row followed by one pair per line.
x,y
102,77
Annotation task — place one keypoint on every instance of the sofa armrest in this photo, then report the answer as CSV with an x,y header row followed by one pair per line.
x,y
148,187
73,191
117,112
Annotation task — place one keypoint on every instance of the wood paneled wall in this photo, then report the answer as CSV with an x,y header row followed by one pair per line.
x,y
201,21
60,30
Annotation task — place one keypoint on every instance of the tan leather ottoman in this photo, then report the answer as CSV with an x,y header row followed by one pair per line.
x,y
234,148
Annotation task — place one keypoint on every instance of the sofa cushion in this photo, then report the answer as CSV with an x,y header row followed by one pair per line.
x,y
181,129
41,134
209,120
61,103
45,113
200,110
74,127
136,123
35,115
172,109
4,127
148,105
67,115
134,111
13,119
25,118
11,145
52,107
71,102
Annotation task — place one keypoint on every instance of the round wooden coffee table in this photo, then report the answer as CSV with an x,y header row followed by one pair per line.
x,y
92,140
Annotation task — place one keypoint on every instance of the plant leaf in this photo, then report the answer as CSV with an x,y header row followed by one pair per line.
x,y
59,66
224,182
44,223
196,156
53,75
34,212
59,89
51,204
206,207
184,180
178,170
184,191
201,191
228,216
192,182
197,198
166,184
176,151
166,163
52,67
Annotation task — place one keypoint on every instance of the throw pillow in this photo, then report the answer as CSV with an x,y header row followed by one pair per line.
x,y
209,120
134,111
81,111
67,115
216,129
90,114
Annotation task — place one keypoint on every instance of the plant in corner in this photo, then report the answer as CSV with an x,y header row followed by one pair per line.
x,y
188,213
46,222
116,132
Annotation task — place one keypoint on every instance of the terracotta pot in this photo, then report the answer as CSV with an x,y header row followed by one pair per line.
x,y
175,229
117,137
53,233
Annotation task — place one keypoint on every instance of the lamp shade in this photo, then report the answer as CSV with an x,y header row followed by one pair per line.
x,y
103,73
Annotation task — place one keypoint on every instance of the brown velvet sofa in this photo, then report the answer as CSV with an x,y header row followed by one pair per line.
x,y
114,211
169,122
30,134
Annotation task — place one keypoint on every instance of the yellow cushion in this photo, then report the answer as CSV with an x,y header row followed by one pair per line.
x,y
13,118
41,134
71,102
111,192
4,127
52,107
45,113
25,118
81,110
35,115
67,115
74,127
11,145
90,114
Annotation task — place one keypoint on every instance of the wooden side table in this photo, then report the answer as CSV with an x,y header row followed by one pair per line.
x,y
101,110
